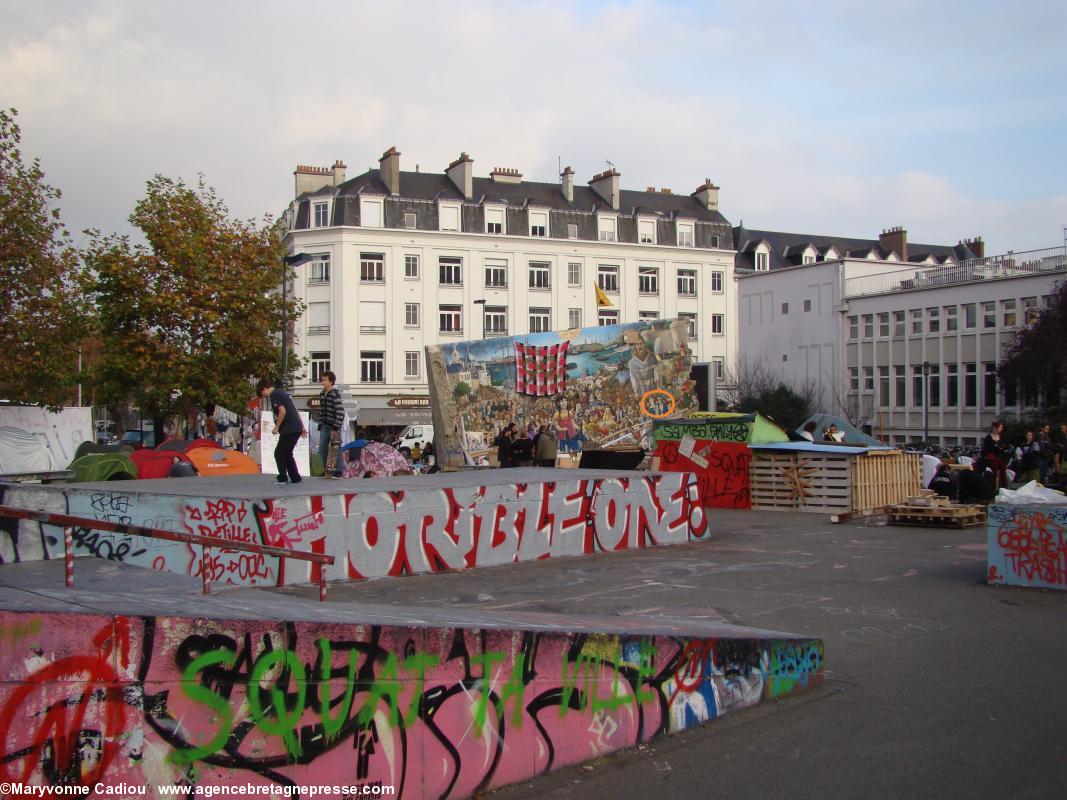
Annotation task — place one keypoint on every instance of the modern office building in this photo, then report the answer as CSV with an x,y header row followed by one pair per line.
x,y
905,341
402,259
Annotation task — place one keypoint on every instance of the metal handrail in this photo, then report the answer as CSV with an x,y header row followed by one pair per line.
x,y
68,523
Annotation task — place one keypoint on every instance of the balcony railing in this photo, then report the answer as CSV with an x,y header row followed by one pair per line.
x,y
1009,265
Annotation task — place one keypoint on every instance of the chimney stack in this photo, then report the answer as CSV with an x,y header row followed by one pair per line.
x,y
976,246
339,172
389,167
461,172
566,180
707,194
310,179
895,239
606,184
505,175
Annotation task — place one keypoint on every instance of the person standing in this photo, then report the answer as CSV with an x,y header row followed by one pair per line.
x,y
995,454
288,427
331,416
545,447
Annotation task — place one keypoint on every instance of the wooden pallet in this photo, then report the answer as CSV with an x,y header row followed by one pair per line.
x,y
938,516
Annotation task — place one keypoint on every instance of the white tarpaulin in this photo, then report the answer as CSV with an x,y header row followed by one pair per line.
x,y
57,433
268,441
1031,493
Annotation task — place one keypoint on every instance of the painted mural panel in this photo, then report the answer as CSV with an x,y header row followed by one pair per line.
x,y
587,382
157,702
372,534
721,468
1027,546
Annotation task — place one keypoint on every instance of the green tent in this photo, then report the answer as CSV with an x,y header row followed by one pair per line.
x,y
96,467
721,427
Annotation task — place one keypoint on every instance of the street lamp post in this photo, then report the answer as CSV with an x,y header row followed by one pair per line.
x,y
288,261
926,402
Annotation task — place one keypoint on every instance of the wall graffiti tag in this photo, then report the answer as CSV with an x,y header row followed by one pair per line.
x,y
1027,546
436,713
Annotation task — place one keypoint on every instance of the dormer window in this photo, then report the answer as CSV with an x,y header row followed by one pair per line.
x,y
606,229
685,234
494,220
762,262
646,231
409,220
538,223
449,218
371,213
322,215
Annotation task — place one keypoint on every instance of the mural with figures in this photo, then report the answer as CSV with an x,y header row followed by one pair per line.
x,y
587,383
100,701
371,534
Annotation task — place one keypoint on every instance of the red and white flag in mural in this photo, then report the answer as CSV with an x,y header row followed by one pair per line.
x,y
541,371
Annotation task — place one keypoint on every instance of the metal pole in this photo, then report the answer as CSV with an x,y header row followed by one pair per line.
x,y
285,326
926,402
68,554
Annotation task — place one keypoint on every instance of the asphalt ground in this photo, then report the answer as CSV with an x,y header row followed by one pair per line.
x,y
936,684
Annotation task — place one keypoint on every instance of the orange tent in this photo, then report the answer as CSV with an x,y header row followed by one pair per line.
x,y
212,461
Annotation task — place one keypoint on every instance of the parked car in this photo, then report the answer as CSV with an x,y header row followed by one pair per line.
x,y
139,439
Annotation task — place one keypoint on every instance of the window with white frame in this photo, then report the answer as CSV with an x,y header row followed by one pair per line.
x,y
607,278
715,240
449,218
1008,309
496,273
371,316
1030,310
450,270
853,380
572,230
868,326
319,269
411,315
691,322
538,223
989,314
574,317
540,320
318,318
371,213
574,274
763,263
868,379
687,282
409,220
540,275
883,387
720,367
372,267
411,364
495,319
716,282
606,229
808,259
411,267
717,324
685,234
451,319
648,280
898,324
371,366
646,231
322,215
916,321
853,327
320,363
494,220
607,316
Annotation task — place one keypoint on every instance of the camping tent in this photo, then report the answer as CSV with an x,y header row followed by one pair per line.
x,y
852,434
156,463
214,461
96,467
22,452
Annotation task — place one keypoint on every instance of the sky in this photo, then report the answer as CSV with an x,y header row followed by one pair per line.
x,y
837,118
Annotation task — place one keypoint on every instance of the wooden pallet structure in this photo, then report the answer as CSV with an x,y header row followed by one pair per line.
x,y
845,485
930,511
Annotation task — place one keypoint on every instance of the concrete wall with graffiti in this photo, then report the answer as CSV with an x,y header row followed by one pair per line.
x,y
586,382
105,701
1027,546
371,534
714,451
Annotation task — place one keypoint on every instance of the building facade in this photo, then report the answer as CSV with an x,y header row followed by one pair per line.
x,y
906,349
401,259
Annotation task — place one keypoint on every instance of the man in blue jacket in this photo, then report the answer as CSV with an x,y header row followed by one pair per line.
x,y
288,427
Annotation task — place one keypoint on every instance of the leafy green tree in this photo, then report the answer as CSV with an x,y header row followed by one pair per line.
x,y
462,390
42,307
1036,361
192,317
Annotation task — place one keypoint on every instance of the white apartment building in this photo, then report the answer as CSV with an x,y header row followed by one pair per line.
x,y
401,260
900,346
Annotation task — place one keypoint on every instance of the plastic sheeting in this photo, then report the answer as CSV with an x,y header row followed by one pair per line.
x,y
1031,493
21,451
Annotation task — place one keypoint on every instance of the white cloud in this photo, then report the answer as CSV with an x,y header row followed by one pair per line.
x,y
111,94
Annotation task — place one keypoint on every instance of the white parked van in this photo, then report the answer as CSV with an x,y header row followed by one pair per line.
x,y
412,434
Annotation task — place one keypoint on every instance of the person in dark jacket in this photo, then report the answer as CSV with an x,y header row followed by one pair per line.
x,y
521,449
331,415
545,447
502,442
288,427
944,482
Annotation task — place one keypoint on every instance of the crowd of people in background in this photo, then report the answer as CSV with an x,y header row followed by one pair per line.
x,y
532,447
